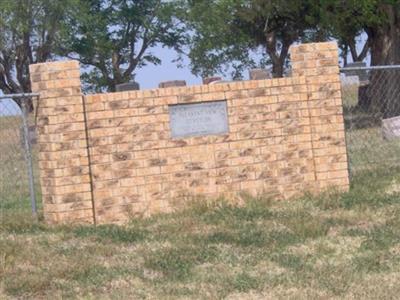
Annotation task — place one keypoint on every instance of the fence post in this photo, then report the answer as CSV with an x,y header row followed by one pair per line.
x,y
28,156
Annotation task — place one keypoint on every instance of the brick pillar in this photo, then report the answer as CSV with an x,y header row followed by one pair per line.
x,y
63,153
319,63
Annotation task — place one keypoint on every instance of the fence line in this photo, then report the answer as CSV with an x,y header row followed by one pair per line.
x,y
371,102
388,67
21,95
16,154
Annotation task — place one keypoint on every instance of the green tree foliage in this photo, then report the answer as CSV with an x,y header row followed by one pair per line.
x,y
30,32
342,20
378,19
113,38
226,31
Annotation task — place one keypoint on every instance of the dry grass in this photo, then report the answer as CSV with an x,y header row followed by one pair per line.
x,y
14,188
336,246
339,245
367,149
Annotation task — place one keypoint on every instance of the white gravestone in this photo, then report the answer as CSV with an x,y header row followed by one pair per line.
x,y
391,128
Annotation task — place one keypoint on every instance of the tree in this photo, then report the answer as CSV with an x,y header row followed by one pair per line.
x,y
113,38
380,20
384,32
227,30
30,31
341,19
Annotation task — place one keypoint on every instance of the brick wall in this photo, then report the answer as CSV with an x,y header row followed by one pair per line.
x,y
107,157
318,62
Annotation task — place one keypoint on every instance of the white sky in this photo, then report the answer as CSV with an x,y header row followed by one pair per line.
x,y
150,76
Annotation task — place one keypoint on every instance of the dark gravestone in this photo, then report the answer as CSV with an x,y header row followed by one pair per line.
x,y
220,81
172,83
129,86
209,80
259,74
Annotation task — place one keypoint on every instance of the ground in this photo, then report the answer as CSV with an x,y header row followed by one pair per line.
x,y
337,245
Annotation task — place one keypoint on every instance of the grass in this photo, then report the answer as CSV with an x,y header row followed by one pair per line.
x,y
336,245
367,150
14,186
366,147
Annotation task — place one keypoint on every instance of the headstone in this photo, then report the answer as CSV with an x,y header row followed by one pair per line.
x,y
209,80
129,86
350,80
172,83
220,81
391,128
258,74
362,74
197,119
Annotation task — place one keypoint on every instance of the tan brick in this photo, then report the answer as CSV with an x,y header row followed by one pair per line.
x,y
282,131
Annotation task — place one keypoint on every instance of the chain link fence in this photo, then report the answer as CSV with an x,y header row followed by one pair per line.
x,y
371,102
19,187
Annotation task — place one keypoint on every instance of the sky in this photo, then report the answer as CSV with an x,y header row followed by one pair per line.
x,y
150,76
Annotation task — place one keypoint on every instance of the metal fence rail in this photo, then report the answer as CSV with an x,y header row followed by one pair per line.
x,y
371,100
18,170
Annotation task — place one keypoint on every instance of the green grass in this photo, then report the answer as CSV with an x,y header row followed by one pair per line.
x,y
336,245
14,184
368,150
366,147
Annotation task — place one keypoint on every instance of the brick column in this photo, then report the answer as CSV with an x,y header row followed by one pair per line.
x,y
63,153
319,63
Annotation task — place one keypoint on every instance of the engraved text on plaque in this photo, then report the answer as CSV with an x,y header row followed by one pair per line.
x,y
205,118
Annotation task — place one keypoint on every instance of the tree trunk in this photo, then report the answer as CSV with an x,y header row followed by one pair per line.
x,y
383,92
277,58
277,68
358,57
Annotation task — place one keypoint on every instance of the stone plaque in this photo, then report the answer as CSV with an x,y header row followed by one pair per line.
x,y
391,128
196,119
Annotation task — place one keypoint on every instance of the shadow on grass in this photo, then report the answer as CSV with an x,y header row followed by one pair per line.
x,y
111,233
176,263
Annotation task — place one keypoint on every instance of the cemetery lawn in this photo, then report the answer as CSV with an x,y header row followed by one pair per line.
x,y
338,245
